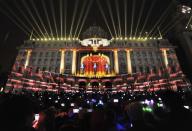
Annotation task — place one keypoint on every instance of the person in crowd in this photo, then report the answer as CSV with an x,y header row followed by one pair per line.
x,y
16,113
136,115
46,120
179,118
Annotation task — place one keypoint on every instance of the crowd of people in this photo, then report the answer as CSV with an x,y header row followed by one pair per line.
x,y
125,111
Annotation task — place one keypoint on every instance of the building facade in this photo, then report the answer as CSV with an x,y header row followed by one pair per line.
x,y
114,56
96,61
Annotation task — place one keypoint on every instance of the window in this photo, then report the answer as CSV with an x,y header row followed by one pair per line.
x,y
50,68
52,54
39,61
40,54
47,54
33,61
45,61
44,69
144,53
150,54
141,69
51,61
138,54
154,69
34,54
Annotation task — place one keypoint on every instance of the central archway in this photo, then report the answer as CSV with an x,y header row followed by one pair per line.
x,y
95,64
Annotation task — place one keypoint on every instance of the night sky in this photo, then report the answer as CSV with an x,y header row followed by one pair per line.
x,y
11,35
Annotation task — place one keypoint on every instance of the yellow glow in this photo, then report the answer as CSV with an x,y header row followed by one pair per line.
x,y
28,58
125,38
74,62
62,62
69,38
116,61
53,38
49,38
61,38
165,57
129,66
134,38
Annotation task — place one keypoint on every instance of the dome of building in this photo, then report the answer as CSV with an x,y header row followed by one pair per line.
x,y
94,32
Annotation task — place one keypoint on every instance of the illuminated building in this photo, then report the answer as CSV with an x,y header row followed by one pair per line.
x,y
95,56
124,56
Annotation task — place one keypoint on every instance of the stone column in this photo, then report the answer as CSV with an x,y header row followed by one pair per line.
x,y
62,62
74,61
29,51
164,51
129,65
116,62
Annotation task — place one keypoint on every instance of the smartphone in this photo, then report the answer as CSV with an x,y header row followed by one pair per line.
x,y
89,110
75,110
115,100
36,117
72,104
